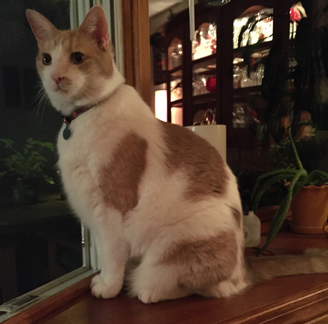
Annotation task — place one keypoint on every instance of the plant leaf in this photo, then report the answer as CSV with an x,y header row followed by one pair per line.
x,y
271,174
321,175
266,186
282,210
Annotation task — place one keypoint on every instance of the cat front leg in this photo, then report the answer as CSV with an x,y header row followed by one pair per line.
x,y
113,252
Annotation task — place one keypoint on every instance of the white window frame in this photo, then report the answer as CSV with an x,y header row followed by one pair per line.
x,y
78,10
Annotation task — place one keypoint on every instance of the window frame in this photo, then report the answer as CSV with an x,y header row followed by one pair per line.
x,y
78,10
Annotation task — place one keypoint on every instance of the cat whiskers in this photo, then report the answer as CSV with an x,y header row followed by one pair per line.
x,y
83,95
41,99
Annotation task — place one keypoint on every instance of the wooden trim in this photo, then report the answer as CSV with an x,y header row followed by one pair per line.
x,y
301,299
49,305
136,46
307,306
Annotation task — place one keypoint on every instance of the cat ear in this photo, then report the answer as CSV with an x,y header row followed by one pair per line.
x,y
42,28
95,24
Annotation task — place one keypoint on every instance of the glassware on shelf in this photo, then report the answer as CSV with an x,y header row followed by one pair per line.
x,y
237,26
176,56
176,90
209,117
242,80
262,30
236,76
245,81
253,77
205,41
174,52
266,28
259,74
204,117
199,85
239,115
244,117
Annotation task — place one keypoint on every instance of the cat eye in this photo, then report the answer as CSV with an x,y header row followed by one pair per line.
x,y
77,57
46,59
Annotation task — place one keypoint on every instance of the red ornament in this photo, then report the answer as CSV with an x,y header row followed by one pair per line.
x,y
211,84
295,15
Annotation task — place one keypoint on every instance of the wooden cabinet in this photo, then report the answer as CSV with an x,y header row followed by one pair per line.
x,y
182,78
236,101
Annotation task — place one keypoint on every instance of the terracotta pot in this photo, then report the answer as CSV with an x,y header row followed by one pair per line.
x,y
310,210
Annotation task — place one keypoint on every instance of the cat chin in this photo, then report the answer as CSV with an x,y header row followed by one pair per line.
x,y
64,102
60,103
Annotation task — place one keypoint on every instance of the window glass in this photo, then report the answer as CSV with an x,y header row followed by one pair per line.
x,y
39,238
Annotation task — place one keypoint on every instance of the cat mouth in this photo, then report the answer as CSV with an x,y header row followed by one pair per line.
x,y
63,86
61,90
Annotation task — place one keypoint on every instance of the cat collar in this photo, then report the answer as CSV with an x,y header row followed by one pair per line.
x,y
76,113
68,119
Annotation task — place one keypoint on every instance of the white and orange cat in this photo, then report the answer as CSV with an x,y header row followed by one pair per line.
x,y
149,191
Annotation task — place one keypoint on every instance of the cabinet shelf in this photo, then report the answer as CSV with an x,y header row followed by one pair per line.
x,y
205,65
204,98
204,59
242,92
177,103
259,47
175,71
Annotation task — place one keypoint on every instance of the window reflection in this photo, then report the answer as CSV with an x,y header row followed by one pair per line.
x,y
258,22
39,238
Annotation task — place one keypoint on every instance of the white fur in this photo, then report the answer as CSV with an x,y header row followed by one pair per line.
x,y
161,217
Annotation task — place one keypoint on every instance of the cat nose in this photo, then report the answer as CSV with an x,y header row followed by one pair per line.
x,y
56,78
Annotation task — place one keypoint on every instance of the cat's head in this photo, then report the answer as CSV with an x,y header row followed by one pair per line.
x,y
76,66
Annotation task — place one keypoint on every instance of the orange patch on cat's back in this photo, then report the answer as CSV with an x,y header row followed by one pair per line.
x,y
205,168
206,261
120,179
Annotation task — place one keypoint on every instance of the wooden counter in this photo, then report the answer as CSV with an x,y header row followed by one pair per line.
x,y
295,299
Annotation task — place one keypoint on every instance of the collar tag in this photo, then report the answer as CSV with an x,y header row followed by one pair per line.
x,y
67,132
68,119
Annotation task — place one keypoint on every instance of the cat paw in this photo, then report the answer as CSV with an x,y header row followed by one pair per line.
x,y
100,289
148,296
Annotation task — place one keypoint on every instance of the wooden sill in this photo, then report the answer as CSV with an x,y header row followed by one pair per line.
x,y
294,299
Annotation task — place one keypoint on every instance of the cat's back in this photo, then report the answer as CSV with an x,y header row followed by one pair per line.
x,y
203,165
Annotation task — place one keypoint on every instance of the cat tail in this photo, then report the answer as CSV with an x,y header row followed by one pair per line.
x,y
264,268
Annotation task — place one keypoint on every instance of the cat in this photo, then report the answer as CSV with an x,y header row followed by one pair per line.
x,y
149,191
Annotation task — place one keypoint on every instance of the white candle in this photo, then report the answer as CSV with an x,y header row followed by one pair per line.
x,y
216,135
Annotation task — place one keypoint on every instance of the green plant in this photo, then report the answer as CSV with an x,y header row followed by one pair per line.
x,y
309,150
296,177
29,162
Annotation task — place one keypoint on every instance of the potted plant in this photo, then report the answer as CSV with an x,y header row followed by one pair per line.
x,y
28,167
300,184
